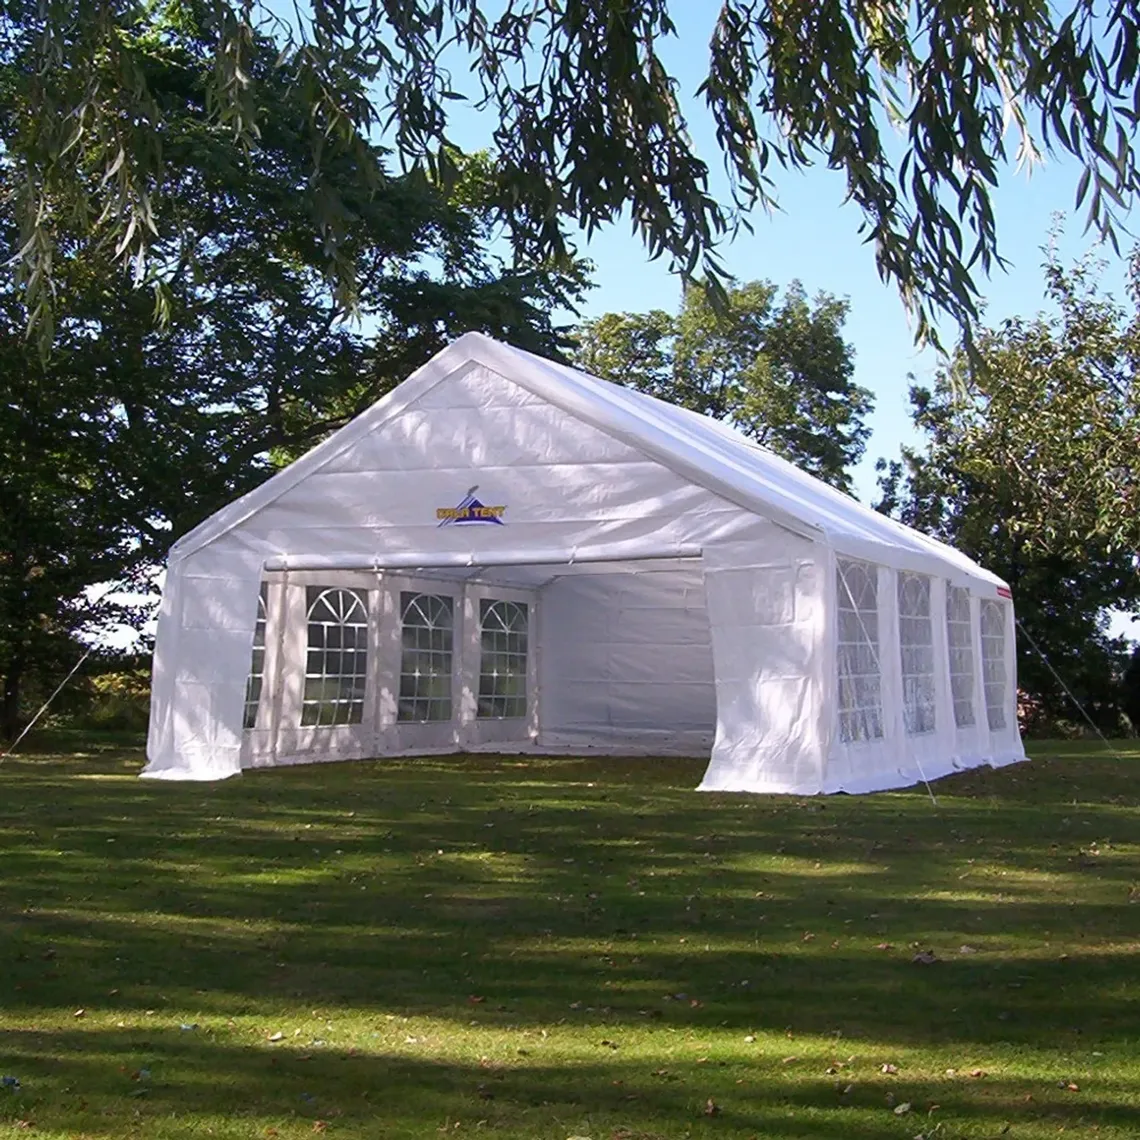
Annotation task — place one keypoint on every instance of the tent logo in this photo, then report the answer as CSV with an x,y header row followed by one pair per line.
x,y
470,512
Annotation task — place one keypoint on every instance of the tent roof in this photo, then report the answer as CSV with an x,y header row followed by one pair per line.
x,y
709,453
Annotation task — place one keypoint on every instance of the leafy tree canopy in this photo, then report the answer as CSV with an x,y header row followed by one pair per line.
x,y
919,105
778,369
127,435
1052,420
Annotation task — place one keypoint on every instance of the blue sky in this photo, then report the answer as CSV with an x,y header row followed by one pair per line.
x,y
815,239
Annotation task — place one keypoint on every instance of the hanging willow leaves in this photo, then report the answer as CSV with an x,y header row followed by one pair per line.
x,y
920,106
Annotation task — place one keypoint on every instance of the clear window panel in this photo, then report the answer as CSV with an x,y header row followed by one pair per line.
x,y
503,659
994,680
960,640
256,677
336,663
916,646
860,677
427,625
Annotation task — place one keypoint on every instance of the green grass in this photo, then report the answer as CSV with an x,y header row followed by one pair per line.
x,y
519,947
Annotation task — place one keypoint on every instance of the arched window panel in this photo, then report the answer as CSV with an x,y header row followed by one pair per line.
x,y
256,677
502,660
960,639
336,664
916,646
427,632
994,679
860,675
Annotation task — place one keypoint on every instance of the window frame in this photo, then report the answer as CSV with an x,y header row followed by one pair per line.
x,y
963,683
407,601
255,687
356,704
510,702
1002,685
859,723
920,718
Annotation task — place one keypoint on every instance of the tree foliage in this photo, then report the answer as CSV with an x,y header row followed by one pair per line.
x,y
919,105
127,434
778,369
1029,466
1053,417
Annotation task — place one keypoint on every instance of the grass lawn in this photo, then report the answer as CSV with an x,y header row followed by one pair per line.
x,y
541,948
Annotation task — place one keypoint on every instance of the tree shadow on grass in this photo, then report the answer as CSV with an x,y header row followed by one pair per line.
x,y
597,896
206,1084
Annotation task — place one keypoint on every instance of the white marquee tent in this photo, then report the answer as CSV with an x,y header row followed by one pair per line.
x,y
506,554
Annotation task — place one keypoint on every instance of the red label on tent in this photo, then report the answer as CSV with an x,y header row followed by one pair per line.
x,y
1004,593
